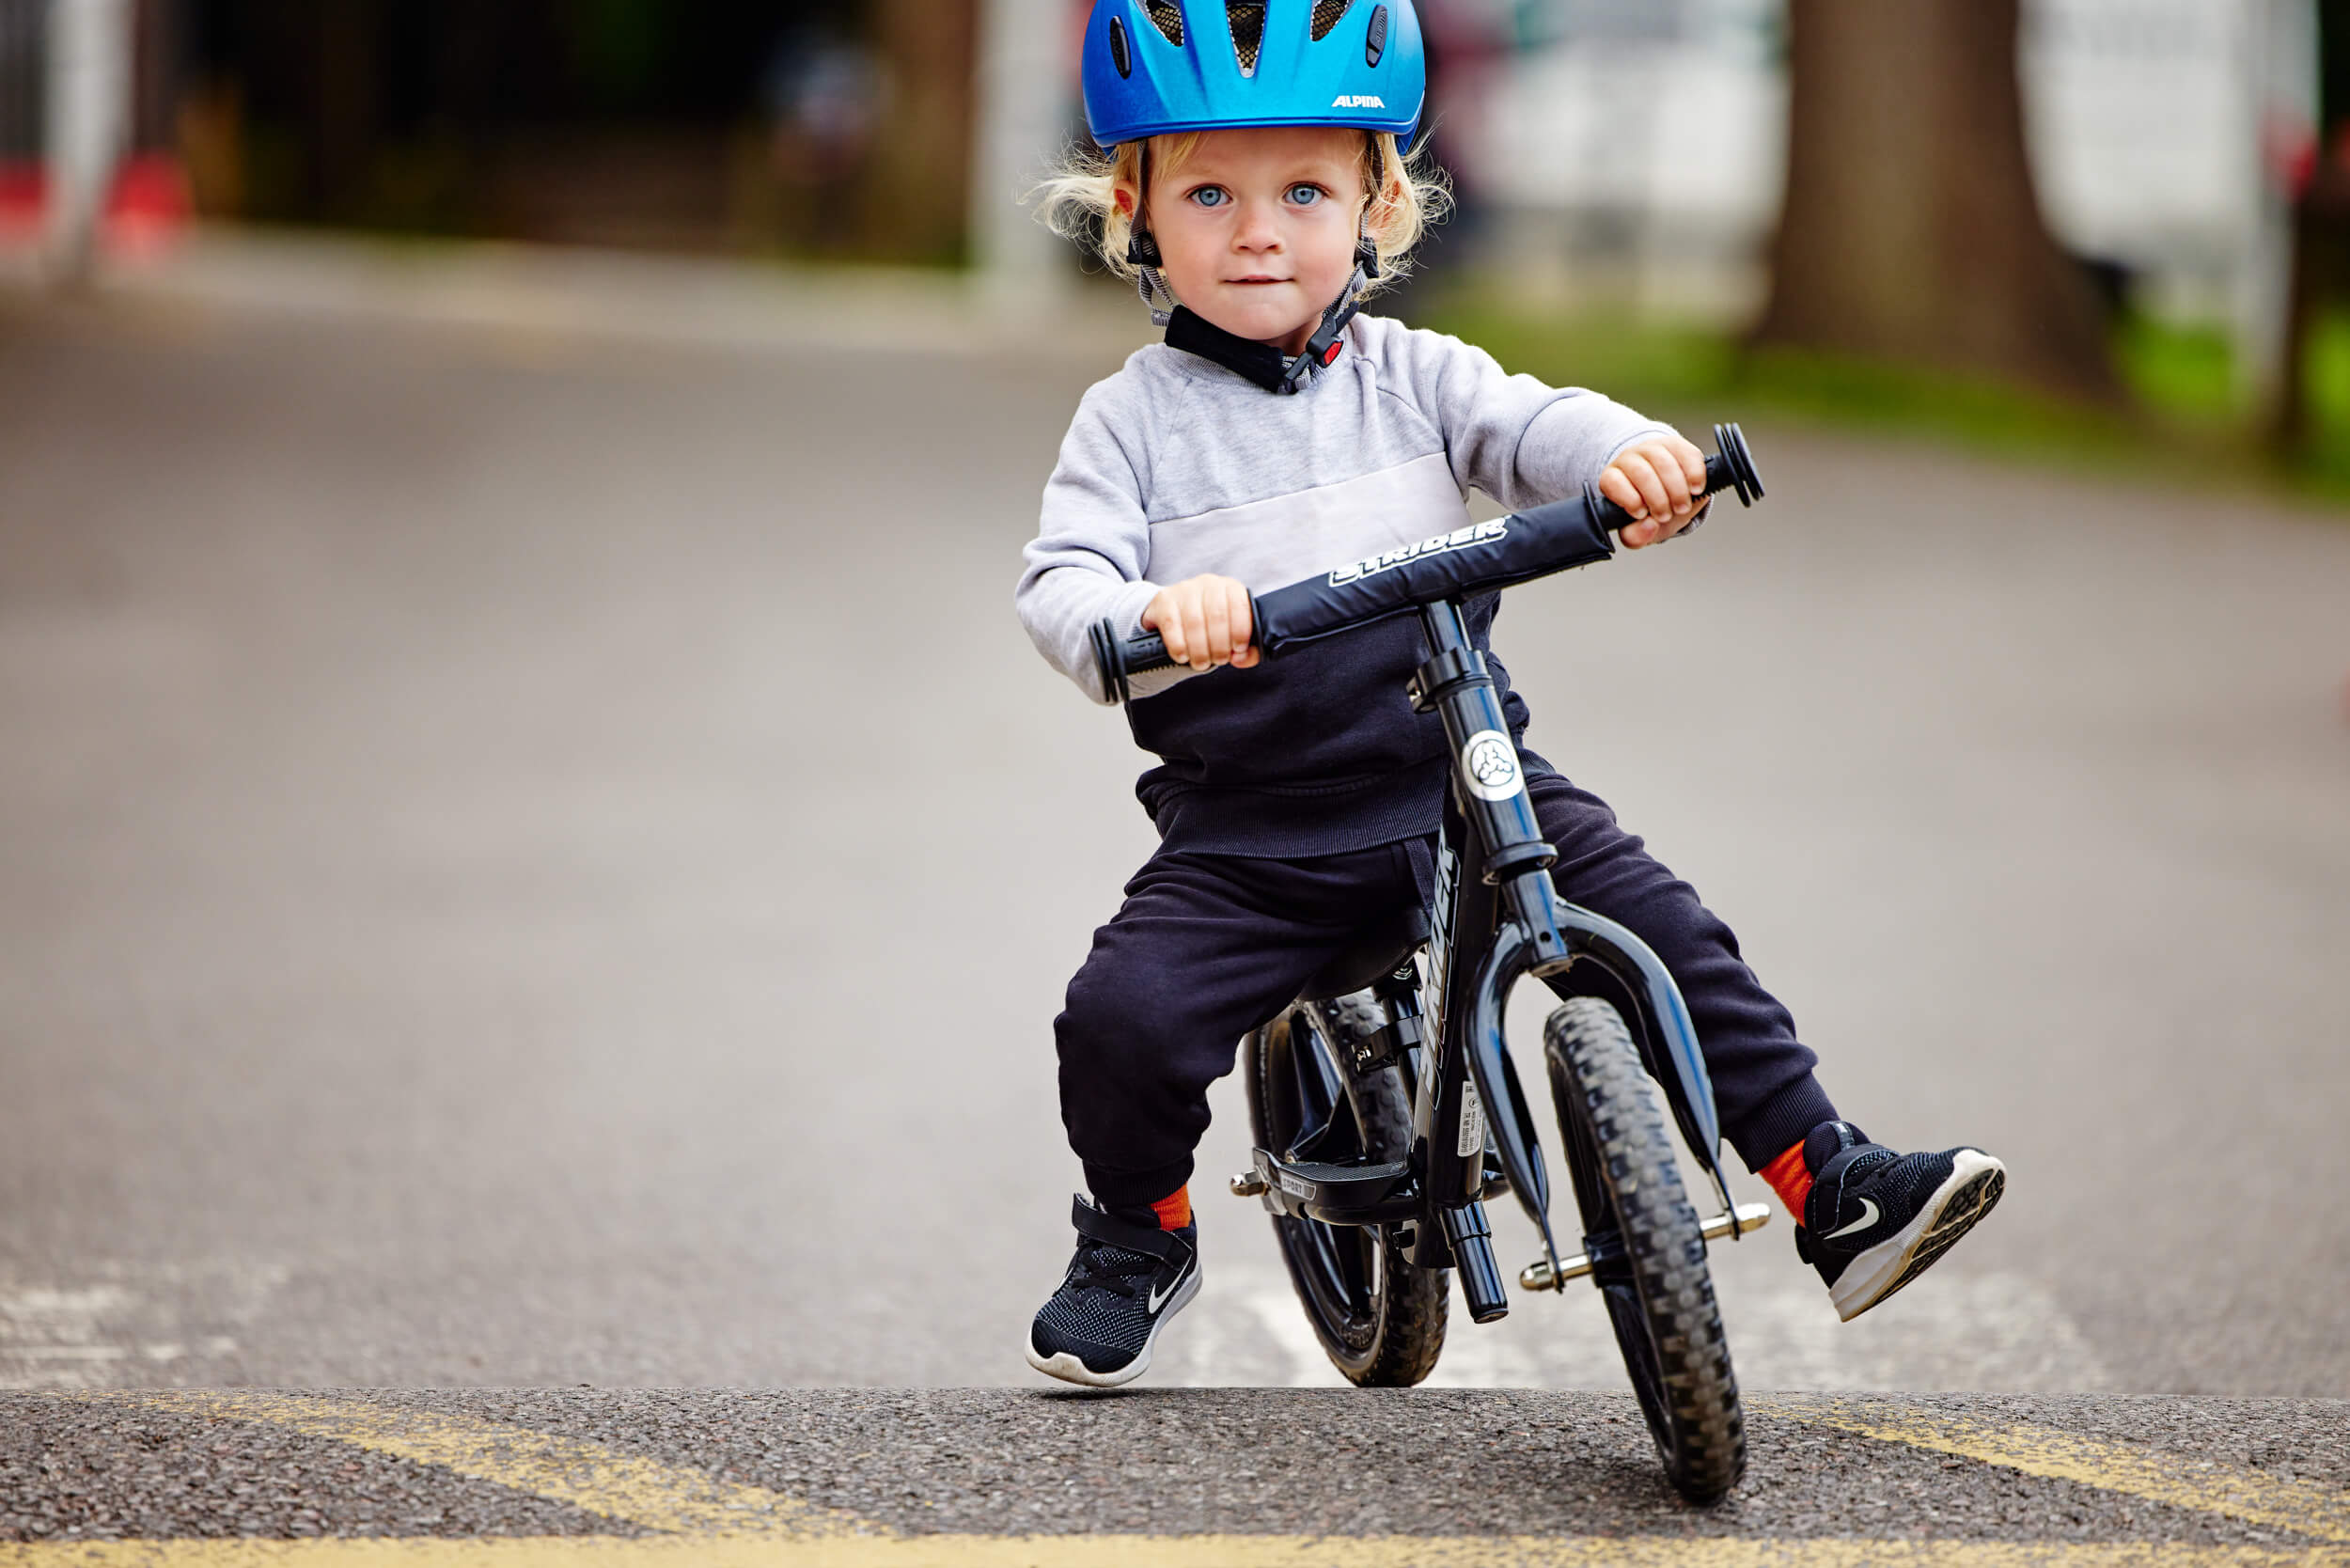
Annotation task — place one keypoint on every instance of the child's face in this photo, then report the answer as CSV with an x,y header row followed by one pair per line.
x,y
1257,227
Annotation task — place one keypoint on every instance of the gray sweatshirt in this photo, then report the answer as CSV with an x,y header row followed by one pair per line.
x,y
1177,466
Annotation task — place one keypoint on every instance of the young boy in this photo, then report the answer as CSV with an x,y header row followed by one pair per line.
x,y
1257,178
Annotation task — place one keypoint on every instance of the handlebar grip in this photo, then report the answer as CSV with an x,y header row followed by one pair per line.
x,y
1731,467
1117,658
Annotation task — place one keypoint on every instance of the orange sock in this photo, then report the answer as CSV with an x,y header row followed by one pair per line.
x,y
1174,1210
1789,1179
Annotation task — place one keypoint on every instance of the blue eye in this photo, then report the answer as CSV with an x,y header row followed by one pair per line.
x,y
1210,195
1305,196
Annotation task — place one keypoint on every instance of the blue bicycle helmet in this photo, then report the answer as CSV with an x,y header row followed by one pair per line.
x,y
1158,66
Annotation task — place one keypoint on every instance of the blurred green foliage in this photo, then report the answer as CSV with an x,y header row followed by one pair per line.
x,y
2187,414
2329,399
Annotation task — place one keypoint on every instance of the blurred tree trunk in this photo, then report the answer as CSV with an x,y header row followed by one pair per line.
x,y
343,106
2321,256
1910,229
2320,233
924,157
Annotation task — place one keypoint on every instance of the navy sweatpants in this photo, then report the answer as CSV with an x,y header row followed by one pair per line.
x,y
1209,947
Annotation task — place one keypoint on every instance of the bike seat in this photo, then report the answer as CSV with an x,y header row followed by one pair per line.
x,y
1375,950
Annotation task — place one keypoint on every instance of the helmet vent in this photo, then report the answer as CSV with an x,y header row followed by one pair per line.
x,y
1326,15
1248,22
1167,17
1375,41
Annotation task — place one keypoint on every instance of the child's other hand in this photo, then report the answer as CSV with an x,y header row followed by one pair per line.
x,y
1205,622
1660,481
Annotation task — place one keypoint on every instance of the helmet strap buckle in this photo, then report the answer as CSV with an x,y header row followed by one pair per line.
x,y
1321,349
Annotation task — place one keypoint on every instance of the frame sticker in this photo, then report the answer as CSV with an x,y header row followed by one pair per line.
x,y
1472,1140
1490,763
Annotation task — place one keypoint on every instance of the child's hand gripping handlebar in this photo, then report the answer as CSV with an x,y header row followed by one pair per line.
x,y
1479,558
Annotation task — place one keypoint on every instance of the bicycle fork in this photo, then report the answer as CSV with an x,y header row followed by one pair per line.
x,y
1510,896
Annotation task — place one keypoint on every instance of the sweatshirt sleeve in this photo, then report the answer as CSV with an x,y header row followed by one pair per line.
x,y
1091,549
1519,441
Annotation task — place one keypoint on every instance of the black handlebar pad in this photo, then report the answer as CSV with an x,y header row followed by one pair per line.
x,y
1481,557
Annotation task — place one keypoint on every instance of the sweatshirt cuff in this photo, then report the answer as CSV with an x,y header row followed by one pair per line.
x,y
1571,443
1643,433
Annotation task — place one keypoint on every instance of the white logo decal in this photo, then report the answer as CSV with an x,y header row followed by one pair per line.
x,y
1862,1224
1159,1295
1459,539
1472,1122
1492,764
1295,1185
1357,102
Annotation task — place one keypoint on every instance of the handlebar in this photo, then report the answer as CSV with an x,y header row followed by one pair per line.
x,y
1479,558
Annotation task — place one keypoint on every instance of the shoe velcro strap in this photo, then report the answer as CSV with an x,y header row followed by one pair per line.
x,y
1096,1224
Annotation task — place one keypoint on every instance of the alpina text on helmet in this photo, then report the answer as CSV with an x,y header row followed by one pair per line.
x,y
1357,101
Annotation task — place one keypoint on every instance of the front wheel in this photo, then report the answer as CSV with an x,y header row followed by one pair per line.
x,y
1641,1229
1379,1318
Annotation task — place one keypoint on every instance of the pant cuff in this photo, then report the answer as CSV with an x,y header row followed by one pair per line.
x,y
1780,1121
1135,1189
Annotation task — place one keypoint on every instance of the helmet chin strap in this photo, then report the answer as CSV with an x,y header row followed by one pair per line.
x,y
1142,253
1322,346
1321,349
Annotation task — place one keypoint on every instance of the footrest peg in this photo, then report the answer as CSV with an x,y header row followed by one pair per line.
x,y
1538,1274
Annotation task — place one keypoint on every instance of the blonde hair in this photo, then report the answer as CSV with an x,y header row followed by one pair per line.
x,y
1079,200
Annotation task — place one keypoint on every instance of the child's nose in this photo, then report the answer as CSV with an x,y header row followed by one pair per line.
x,y
1258,230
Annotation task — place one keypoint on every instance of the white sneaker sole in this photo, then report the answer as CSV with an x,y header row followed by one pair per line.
x,y
1069,1370
1974,1184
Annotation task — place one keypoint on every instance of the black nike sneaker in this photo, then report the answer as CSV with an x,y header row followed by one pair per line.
x,y
1124,1284
1876,1219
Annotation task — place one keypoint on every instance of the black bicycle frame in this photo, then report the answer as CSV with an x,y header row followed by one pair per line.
x,y
1495,918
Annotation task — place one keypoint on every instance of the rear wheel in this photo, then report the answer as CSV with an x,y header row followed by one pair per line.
x,y
1379,1318
1639,1223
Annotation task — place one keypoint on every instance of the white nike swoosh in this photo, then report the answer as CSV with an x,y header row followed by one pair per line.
x,y
1157,1296
1862,1224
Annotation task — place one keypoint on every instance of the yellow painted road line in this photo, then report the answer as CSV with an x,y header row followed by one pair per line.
x,y
1143,1551
592,1476
2206,1486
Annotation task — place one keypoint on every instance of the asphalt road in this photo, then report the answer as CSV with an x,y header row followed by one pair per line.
x,y
1237,1476
530,858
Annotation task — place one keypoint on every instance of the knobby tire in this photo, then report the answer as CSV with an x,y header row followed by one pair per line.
x,y
1659,1294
